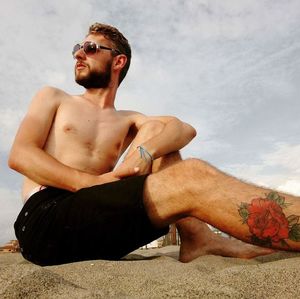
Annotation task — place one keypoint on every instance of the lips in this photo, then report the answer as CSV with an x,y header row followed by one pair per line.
x,y
80,65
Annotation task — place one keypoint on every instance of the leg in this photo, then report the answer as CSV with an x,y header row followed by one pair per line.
x,y
196,237
249,213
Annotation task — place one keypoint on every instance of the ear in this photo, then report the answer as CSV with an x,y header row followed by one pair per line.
x,y
119,61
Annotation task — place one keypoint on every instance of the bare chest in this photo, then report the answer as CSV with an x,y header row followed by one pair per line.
x,y
87,138
90,127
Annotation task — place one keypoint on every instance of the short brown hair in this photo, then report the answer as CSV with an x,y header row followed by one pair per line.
x,y
119,41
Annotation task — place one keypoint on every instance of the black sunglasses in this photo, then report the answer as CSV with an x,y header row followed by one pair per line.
x,y
90,48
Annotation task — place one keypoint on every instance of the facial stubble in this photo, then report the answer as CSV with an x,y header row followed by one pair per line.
x,y
95,79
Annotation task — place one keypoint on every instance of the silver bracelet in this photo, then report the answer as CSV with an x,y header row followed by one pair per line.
x,y
144,153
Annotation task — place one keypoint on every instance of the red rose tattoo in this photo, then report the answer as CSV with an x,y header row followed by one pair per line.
x,y
267,222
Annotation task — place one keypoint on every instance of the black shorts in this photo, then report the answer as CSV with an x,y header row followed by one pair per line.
x,y
106,221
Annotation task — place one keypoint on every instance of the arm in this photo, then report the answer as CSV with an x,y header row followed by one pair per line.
x,y
159,136
173,137
27,155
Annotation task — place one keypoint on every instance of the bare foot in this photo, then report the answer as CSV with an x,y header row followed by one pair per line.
x,y
197,240
221,246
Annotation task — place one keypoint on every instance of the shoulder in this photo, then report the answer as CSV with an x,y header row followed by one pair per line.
x,y
49,95
47,98
50,91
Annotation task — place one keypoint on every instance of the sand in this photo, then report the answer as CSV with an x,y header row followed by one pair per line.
x,y
154,273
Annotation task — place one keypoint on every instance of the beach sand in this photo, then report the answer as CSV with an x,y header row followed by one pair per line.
x,y
154,273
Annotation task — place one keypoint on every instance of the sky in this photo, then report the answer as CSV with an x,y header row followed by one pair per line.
x,y
230,68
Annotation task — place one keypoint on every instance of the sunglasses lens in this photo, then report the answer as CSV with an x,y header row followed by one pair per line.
x,y
90,48
75,49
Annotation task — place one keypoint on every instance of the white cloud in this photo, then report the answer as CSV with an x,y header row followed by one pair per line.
x,y
9,121
235,19
285,155
54,78
278,169
291,186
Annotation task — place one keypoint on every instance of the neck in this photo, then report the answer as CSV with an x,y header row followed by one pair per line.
x,y
102,97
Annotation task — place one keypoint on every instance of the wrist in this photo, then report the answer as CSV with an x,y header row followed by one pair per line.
x,y
83,180
145,154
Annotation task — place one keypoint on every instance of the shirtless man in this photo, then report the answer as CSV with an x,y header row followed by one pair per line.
x,y
79,205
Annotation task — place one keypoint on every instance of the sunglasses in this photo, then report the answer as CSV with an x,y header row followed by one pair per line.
x,y
91,48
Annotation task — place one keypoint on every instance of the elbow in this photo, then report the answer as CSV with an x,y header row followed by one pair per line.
x,y
190,131
193,132
15,162
12,162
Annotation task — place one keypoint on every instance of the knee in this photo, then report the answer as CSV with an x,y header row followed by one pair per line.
x,y
189,165
166,161
198,167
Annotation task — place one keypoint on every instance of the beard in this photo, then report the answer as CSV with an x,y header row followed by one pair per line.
x,y
95,79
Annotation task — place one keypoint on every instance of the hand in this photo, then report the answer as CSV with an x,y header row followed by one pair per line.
x,y
133,165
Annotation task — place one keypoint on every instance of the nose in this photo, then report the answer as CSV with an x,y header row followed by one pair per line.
x,y
79,55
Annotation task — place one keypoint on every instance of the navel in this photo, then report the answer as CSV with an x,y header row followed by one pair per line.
x,y
89,145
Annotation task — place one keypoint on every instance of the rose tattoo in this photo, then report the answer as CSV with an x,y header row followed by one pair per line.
x,y
267,222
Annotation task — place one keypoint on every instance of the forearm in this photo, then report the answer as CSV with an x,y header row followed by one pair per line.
x,y
173,137
43,169
153,140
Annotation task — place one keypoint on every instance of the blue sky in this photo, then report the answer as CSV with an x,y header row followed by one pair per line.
x,y
230,68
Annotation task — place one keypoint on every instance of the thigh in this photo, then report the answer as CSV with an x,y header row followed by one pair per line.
x,y
108,221
101,222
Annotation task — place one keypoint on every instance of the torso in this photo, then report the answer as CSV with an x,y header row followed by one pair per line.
x,y
86,137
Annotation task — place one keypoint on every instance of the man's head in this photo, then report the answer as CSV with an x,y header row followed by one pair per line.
x,y
108,43
118,40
